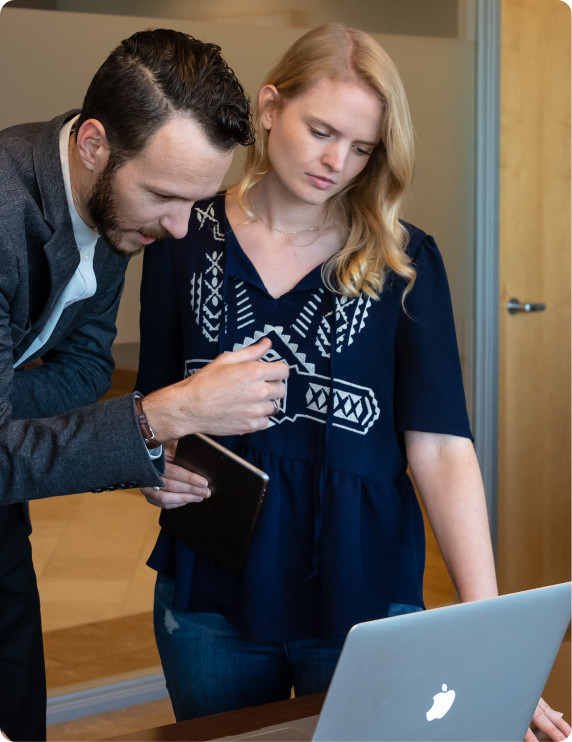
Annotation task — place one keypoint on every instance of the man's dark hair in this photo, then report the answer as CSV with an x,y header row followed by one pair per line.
x,y
156,73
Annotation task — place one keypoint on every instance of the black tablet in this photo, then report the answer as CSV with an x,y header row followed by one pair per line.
x,y
221,526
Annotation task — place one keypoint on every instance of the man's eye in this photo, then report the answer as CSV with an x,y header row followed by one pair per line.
x,y
161,197
320,134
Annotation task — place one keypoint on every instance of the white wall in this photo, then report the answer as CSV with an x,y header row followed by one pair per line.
x,y
48,58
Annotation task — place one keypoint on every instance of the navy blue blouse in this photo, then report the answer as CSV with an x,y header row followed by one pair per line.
x,y
340,535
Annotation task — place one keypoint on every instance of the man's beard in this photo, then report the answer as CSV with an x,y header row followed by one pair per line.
x,y
104,213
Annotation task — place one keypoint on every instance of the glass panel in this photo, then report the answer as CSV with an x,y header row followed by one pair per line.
x,y
47,60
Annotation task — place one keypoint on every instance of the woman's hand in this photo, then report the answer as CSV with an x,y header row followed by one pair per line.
x,y
181,486
550,723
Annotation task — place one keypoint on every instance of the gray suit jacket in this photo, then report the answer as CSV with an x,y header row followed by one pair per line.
x,y
54,439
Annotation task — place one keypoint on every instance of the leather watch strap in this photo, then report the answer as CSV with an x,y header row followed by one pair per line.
x,y
146,429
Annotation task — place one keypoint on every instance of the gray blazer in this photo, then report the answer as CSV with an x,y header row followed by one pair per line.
x,y
54,439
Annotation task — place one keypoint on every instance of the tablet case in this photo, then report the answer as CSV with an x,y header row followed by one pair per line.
x,y
221,526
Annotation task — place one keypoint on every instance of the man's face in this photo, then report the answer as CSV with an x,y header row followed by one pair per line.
x,y
150,196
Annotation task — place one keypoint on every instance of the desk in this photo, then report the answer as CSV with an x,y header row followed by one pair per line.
x,y
556,693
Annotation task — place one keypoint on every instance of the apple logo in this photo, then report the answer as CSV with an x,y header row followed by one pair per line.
x,y
442,702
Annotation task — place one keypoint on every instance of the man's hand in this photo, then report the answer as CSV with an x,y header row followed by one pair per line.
x,y
550,723
181,486
229,396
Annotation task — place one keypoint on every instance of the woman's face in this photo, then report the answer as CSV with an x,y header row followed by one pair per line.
x,y
321,140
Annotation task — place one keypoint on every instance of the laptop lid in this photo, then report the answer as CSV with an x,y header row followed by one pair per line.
x,y
473,671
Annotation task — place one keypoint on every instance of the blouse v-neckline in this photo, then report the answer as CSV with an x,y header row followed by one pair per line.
x,y
239,265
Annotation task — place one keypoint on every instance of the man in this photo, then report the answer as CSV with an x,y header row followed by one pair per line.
x,y
79,195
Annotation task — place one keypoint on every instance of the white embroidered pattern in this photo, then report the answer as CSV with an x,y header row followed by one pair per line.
x,y
302,323
206,297
244,313
206,287
351,315
309,394
207,216
355,407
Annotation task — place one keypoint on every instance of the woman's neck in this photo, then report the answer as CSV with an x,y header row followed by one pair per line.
x,y
282,210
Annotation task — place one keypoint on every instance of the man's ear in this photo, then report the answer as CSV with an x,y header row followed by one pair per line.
x,y
92,145
267,100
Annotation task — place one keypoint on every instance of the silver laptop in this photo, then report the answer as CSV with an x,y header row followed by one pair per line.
x,y
473,671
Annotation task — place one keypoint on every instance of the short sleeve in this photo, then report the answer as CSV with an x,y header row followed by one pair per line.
x,y
429,393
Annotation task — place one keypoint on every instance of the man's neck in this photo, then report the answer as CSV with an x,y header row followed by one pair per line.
x,y
80,179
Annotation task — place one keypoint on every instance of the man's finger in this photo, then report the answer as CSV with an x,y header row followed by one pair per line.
x,y
169,499
275,371
183,488
179,474
250,353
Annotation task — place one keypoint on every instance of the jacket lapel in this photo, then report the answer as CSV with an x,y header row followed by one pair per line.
x,y
61,249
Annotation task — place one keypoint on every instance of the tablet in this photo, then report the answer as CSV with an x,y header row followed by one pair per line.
x,y
221,526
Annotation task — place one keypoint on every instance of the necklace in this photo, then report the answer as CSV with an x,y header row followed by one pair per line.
x,y
283,231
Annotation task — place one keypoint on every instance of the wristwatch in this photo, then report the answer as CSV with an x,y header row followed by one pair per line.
x,y
146,430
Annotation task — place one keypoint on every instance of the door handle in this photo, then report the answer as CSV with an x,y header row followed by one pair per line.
x,y
514,306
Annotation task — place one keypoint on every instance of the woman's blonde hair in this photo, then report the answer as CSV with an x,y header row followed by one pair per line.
x,y
368,207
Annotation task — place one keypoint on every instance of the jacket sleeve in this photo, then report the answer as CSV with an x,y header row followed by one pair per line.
x,y
77,371
94,447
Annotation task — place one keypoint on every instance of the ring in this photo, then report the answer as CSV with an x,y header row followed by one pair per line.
x,y
276,406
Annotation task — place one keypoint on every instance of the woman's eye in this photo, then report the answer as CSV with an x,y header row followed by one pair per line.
x,y
363,152
161,197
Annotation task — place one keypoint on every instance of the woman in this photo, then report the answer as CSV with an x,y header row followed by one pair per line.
x,y
308,251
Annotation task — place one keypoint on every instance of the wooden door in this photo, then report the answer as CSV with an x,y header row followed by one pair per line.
x,y
534,349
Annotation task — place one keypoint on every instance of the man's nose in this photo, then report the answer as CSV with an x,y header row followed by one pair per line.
x,y
176,221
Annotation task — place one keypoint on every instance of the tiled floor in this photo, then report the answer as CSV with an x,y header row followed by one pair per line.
x,y
90,553
93,653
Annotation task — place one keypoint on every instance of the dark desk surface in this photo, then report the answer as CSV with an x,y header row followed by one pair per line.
x,y
556,693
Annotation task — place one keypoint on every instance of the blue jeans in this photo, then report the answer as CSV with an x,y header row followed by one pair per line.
x,y
210,669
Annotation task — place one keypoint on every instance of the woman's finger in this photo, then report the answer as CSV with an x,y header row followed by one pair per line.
x,y
543,720
553,717
529,736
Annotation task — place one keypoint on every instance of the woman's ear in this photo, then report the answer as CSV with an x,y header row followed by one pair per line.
x,y
267,100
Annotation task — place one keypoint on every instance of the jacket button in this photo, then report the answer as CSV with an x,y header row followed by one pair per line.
x,y
110,489
97,490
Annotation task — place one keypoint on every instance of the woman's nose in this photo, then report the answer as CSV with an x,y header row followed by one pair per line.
x,y
335,157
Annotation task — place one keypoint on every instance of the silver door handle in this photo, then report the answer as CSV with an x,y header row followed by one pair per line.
x,y
515,306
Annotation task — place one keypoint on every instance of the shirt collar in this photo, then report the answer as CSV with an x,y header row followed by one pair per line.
x,y
84,235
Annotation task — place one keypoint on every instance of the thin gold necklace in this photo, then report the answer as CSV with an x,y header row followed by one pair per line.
x,y
283,231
